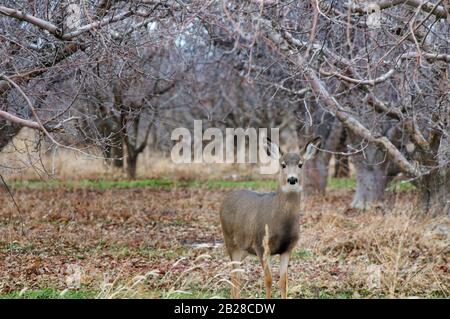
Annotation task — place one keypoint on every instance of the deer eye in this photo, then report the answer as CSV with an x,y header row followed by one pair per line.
x,y
300,165
283,165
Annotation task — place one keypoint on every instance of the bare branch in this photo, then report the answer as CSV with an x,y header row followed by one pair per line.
x,y
427,6
299,93
373,82
31,19
333,106
426,55
18,120
417,136
43,24
23,122
97,24
32,72
382,107
263,2
30,104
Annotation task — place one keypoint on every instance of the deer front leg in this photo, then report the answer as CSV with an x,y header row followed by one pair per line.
x,y
284,261
235,282
265,262
268,279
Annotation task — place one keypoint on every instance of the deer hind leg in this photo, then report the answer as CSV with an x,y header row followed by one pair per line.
x,y
236,257
284,261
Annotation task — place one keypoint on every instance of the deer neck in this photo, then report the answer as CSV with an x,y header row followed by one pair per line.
x,y
288,202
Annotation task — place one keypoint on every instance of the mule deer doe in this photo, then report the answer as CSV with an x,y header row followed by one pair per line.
x,y
248,218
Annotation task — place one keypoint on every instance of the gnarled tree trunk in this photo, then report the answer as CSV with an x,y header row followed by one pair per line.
x,y
114,148
341,165
372,166
434,187
316,170
132,163
371,181
316,175
434,192
374,169
7,132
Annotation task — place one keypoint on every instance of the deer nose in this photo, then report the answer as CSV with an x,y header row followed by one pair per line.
x,y
292,180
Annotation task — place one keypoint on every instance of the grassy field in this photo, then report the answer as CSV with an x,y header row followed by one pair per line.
x,y
158,238
167,183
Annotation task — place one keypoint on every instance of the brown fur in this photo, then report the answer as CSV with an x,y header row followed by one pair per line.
x,y
244,215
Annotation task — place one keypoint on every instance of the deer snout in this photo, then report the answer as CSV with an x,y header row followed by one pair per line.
x,y
292,180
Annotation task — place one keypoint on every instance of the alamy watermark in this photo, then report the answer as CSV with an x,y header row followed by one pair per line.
x,y
231,148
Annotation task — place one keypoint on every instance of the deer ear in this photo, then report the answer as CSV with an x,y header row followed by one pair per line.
x,y
311,148
272,149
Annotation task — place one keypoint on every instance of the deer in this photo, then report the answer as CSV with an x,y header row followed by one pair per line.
x,y
267,224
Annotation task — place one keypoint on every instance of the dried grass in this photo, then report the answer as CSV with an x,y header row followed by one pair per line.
x,y
142,243
21,161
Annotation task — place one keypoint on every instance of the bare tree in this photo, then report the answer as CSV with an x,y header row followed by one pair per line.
x,y
376,71
424,115
76,43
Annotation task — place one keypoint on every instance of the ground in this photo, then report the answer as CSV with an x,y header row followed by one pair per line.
x,y
158,239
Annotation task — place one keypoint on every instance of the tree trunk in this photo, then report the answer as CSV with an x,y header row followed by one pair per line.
x,y
115,152
132,164
371,181
341,165
315,173
113,149
114,155
7,132
117,155
372,166
434,192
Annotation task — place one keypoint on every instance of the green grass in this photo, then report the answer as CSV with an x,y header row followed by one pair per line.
x,y
302,254
15,247
145,183
196,294
94,184
259,184
165,183
149,252
179,222
339,183
336,295
49,293
400,186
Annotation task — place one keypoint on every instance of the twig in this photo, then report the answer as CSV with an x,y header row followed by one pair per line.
x,y
22,230
373,82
